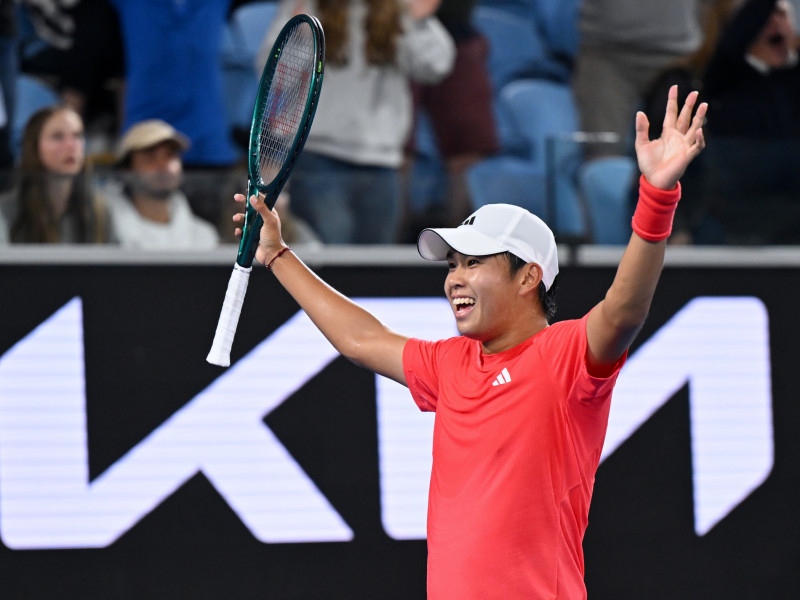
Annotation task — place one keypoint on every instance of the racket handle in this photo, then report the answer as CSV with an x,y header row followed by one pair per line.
x,y
220,353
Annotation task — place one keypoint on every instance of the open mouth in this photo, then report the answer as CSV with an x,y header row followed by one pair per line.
x,y
463,305
776,40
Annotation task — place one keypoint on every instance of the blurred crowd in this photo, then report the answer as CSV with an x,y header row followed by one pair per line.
x,y
126,121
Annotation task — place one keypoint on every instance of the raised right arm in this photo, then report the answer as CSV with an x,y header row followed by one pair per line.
x,y
354,332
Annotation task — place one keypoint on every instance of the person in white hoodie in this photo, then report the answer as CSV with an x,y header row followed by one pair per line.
x,y
346,183
147,208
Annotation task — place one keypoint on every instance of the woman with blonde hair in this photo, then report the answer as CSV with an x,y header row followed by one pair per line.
x,y
54,200
346,184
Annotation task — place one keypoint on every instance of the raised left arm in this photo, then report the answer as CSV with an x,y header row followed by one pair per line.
x,y
615,321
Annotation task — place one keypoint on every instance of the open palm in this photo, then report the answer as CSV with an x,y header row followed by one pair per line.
x,y
663,161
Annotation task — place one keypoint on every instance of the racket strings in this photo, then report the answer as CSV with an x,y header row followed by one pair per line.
x,y
286,101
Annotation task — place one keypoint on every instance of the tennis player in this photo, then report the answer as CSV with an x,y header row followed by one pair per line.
x,y
521,405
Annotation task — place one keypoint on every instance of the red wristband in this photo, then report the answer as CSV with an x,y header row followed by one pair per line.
x,y
278,255
652,220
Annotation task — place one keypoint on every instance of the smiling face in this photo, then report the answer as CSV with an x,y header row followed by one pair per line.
x,y
61,143
774,44
490,305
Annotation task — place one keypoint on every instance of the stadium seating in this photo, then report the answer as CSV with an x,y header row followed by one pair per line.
x,y
540,165
515,49
542,178
242,38
605,185
32,95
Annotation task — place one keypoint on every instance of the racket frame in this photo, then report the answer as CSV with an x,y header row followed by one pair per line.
x,y
270,191
251,229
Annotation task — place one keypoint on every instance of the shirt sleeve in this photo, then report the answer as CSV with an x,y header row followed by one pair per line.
x,y
426,52
566,353
420,365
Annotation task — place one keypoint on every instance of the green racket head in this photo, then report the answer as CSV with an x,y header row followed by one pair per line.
x,y
286,102
284,110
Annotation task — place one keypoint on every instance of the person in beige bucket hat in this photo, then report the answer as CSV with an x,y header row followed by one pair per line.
x,y
149,134
148,209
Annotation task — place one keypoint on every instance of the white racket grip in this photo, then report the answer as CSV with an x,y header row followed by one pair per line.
x,y
220,353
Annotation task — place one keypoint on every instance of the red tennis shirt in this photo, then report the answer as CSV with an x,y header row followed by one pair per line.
x,y
516,444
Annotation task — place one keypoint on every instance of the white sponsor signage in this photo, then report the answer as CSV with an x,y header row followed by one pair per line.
x,y
718,346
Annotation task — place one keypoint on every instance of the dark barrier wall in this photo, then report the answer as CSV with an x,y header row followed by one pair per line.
x,y
131,468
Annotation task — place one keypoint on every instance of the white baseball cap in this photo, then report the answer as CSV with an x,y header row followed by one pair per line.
x,y
492,229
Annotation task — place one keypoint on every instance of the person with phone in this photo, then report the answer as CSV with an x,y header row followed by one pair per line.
x,y
521,403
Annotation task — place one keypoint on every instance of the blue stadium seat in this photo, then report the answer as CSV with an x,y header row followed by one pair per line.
x,y
605,184
538,110
251,21
529,39
32,95
558,22
542,113
515,49
510,180
242,38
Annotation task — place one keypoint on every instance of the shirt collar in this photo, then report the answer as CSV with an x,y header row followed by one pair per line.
x,y
763,68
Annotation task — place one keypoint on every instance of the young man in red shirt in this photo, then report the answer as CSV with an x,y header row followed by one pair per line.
x,y
521,405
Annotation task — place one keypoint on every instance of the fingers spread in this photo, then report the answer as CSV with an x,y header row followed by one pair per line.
x,y
699,141
642,129
671,116
699,117
685,117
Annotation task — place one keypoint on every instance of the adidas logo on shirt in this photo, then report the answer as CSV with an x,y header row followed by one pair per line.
x,y
503,378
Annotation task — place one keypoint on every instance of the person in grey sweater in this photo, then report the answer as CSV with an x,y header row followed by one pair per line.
x,y
346,183
624,47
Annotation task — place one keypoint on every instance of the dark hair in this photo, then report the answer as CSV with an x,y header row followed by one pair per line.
x,y
547,298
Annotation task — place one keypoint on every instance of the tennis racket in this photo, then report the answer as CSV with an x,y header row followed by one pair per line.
x,y
284,109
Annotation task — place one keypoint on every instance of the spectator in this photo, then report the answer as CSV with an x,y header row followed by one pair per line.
x,y
173,72
624,46
752,84
92,73
54,200
753,79
346,184
75,47
147,208
687,71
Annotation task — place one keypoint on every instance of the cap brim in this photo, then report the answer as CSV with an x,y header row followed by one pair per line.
x,y
180,140
434,244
